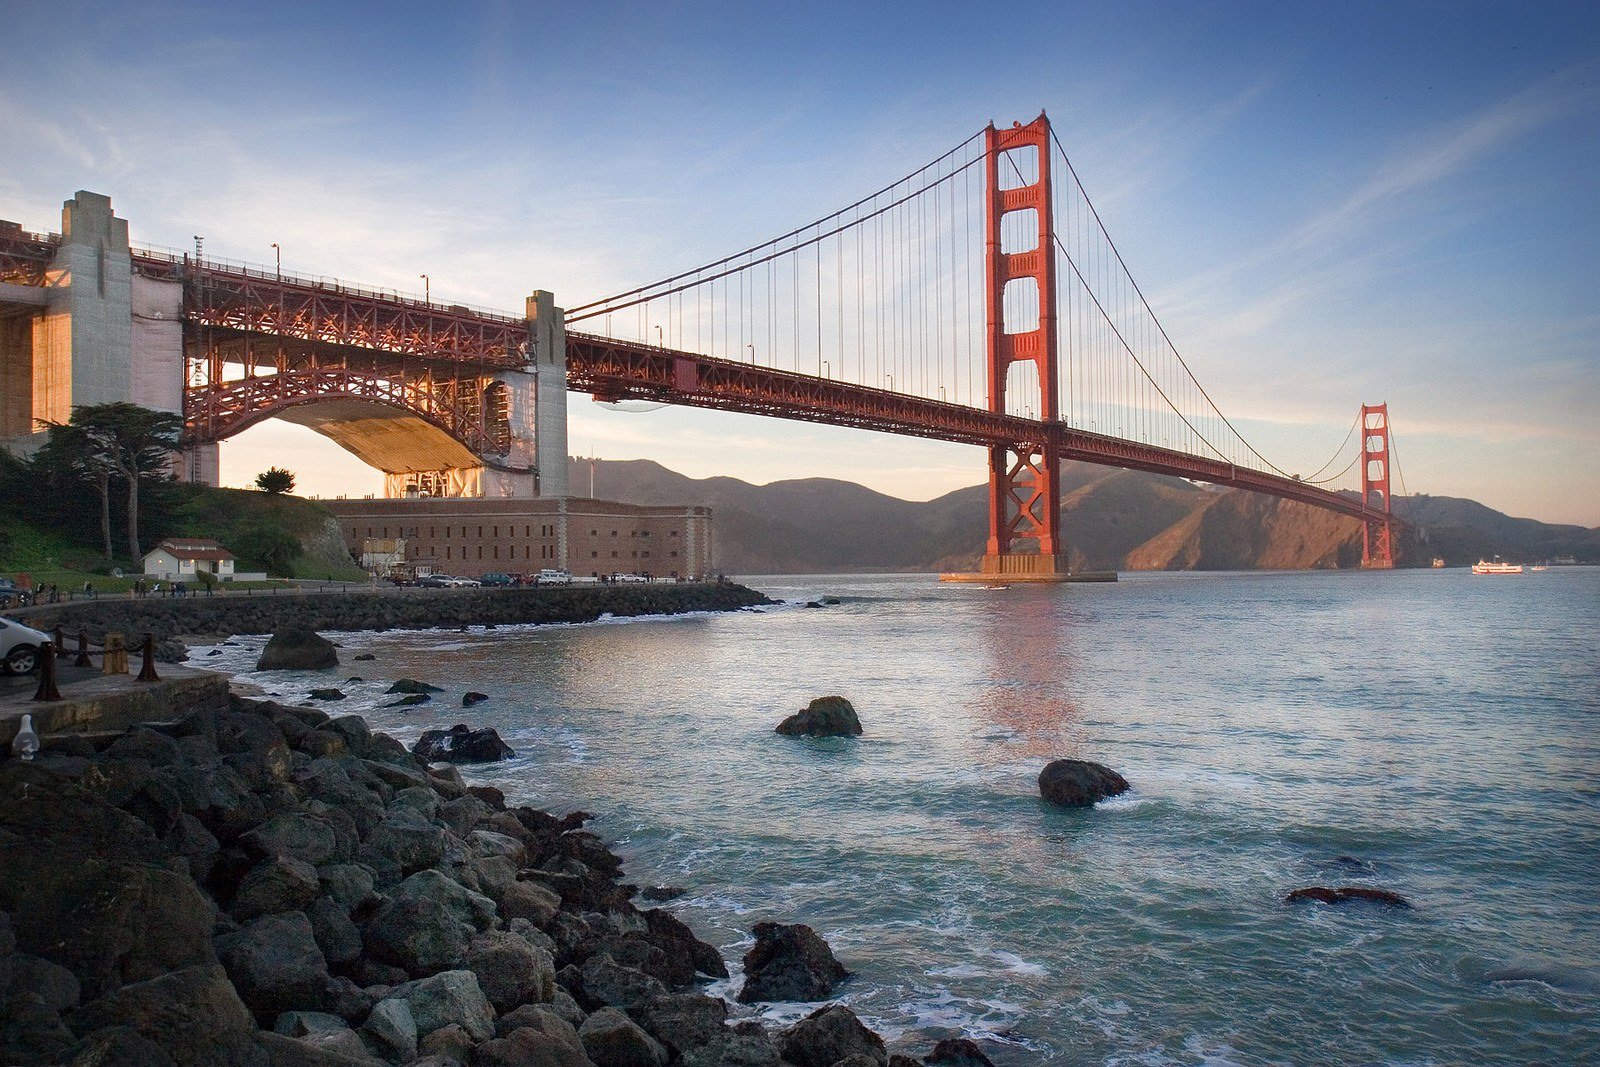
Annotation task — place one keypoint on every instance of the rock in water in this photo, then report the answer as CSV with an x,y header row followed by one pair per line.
x,y
957,1052
823,717
296,648
1345,893
462,745
1079,783
469,699
789,962
411,685
327,694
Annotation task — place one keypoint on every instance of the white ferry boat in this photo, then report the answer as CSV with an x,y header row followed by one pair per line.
x,y
1496,567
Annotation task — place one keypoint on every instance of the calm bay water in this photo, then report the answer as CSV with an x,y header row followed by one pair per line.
x,y
1433,733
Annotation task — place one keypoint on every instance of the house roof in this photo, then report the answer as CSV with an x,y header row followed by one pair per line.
x,y
193,548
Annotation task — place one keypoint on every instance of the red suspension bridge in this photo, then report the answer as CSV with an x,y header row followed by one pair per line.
x,y
979,299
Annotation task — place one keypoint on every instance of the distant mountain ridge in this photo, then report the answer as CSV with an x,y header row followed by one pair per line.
x,y
1114,520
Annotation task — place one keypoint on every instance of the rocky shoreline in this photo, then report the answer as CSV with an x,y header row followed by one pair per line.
x,y
171,620
269,885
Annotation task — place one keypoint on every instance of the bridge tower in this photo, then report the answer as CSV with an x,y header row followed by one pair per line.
x,y
1024,476
1377,535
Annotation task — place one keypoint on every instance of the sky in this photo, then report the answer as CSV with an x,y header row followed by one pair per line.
x,y
1326,204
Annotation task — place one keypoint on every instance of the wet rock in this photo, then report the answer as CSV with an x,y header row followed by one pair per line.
x,y
613,1040
789,963
409,701
602,982
957,1052
1079,783
678,941
451,997
460,744
658,893
411,685
829,1035
470,698
1347,894
823,717
296,648
327,694
365,657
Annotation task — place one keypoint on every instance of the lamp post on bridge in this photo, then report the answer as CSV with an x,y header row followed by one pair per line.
x,y
659,342
827,369
427,289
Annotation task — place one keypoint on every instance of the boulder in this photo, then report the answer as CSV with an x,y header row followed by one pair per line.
x,y
829,1035
411,685
613,1040
56,986
527,1047
336,935
31,1031
365,657
275,884
788,963
604,983
675,938
1347,894
957,1052
683,1021
327,694
193,1014
469,699
510,970
462,904
276,965
391,1031
1079,783
450,1043
419,935
745,1045
451,997
296,648
409,701
119,1046
459,744
823,717
405,840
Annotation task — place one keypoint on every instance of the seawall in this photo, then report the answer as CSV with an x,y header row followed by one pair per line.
x,y
383,609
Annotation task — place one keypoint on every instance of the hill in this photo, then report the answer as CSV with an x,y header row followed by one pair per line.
x,y
1114,520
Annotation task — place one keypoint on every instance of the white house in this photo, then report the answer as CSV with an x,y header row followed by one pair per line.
x,y
185,559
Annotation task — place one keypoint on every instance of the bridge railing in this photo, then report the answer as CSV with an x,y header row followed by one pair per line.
x,y
175,258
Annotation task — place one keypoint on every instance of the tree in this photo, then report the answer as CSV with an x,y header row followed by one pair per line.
x,y
129,441
275,480
69,448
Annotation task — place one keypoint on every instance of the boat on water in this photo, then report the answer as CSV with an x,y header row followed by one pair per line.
x,y
1483,567
1438,564
1539,567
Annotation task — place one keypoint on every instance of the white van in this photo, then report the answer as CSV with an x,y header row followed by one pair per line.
x,y
549,576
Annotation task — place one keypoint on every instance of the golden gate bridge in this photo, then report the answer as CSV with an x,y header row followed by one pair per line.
x,y
979,299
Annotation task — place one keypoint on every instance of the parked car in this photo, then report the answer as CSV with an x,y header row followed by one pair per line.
x,y
496,578
19,647
463,583
436,581
551,576
630,577
11,593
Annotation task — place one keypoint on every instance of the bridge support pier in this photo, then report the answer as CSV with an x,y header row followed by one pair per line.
x,y
1377,536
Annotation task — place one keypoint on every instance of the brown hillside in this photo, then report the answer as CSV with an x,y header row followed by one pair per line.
x,y
1240,531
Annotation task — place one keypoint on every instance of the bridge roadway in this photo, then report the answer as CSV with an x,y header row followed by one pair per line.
x,y
623,370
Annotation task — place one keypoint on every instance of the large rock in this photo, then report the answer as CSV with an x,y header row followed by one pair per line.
x,y
276,965
957,1052
1079,783
451,997
745,1045
1346,894
683,1021
460,744
295,648
829,1035
391,1031
510,970
193,1014
405,840
823,717
422,935
527,1047
274,885
613,1040
789,962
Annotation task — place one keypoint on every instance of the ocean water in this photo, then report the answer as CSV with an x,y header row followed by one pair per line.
x,y
1434,733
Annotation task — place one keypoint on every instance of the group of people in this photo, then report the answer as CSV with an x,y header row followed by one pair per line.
x,y
142,588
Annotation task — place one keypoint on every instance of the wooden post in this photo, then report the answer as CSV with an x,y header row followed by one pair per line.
x,y
114,660
147,670
83,650
47,674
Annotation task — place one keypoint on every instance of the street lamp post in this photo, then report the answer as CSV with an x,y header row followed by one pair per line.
x,y
427,289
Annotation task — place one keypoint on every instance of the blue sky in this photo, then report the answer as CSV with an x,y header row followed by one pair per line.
x,y
1325,203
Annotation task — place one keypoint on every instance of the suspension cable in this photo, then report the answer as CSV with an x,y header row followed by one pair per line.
x,y
715,264
1336,452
